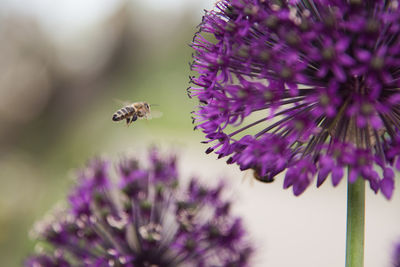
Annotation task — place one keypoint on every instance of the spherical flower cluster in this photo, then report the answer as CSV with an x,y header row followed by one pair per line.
x,y
310,87
145,220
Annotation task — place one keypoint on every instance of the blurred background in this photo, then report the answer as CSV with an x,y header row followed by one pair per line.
x,y
64,68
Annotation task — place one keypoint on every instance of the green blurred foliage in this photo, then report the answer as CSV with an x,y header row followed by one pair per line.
x,y
36,169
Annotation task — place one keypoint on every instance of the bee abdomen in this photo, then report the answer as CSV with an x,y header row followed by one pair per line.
x,y
122,113
116,117
119,115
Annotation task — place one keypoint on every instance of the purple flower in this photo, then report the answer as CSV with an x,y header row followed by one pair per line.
x,y
48,260
145,219
396,256
310,87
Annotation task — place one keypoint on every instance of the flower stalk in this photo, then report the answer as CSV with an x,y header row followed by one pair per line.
x,y
355,223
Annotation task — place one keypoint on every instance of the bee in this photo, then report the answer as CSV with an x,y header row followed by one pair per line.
x,y
257,177
263,179
132,112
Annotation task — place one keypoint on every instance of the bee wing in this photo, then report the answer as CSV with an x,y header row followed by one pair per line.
x,y
122,102
246,176
154,114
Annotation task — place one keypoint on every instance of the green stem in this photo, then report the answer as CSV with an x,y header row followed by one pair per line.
x,y
355,223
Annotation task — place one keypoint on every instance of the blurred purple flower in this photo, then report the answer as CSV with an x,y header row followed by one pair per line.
x,y
147,220
306,86
396,256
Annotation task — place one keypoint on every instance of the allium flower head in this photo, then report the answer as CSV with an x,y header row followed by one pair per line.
x,y
310,87
145,219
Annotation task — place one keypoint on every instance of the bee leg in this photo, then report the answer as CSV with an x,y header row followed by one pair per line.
x,y
127,121
134,118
